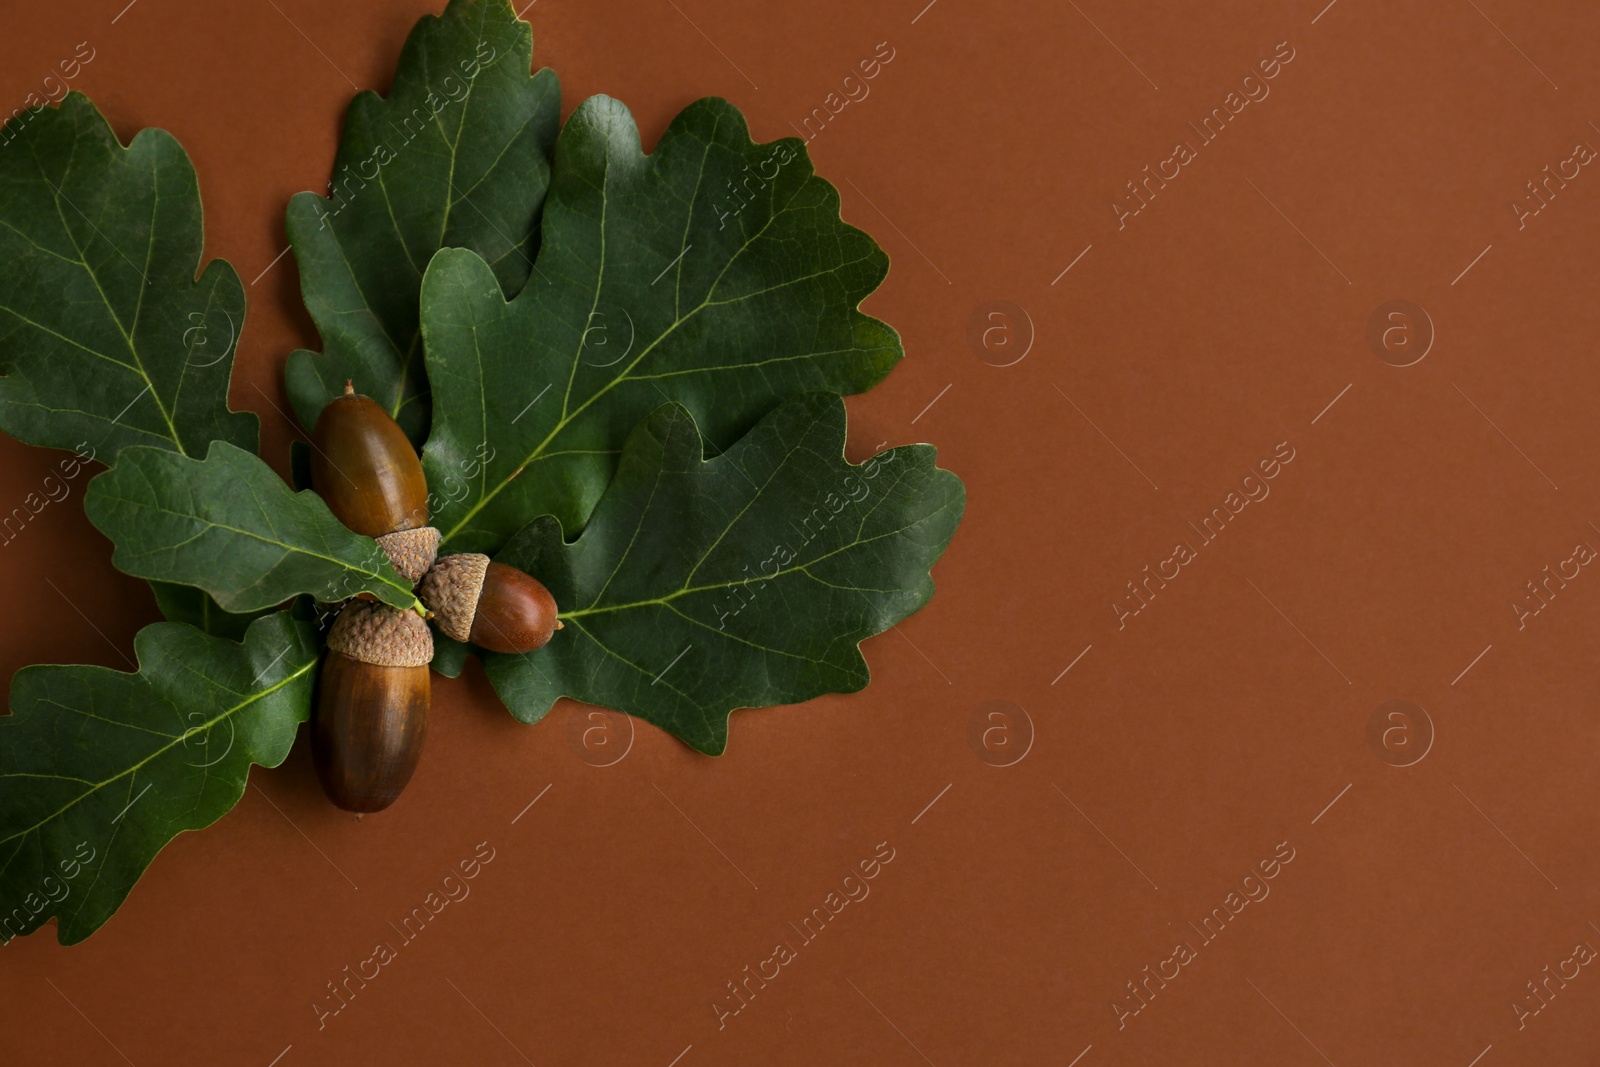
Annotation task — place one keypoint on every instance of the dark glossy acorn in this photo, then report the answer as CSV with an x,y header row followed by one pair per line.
x,y
372,705
516,613
364,468
493,605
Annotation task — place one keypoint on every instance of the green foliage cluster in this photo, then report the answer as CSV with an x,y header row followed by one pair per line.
x,y
623,372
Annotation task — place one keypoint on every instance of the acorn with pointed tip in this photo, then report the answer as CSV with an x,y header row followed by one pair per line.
x,y
493,605
365,470
371,714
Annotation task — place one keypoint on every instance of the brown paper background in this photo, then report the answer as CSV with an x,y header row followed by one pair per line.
x,y
1222,720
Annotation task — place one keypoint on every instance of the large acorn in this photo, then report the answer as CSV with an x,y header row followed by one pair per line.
x,y
493,605
372,705
365,470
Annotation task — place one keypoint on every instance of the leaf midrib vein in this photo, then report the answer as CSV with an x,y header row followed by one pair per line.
x,y
567,418
663,601
138,362
210,525
254,697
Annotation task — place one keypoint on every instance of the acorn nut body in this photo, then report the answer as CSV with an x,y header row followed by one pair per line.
x,y
364,468
371,715
493,605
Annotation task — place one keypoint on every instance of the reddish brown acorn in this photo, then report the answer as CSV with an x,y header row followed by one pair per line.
x,y
372,705
493,605
365,470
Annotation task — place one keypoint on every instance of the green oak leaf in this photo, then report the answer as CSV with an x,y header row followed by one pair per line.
x,y
449,656
229,525
106,337
102,768
702,586
715,273
457,155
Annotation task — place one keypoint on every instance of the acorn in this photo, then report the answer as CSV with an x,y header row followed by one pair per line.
x,y
365,470
493,605
372,705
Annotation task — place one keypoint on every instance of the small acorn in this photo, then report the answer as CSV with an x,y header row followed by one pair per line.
x,y
365,470
372,705
493,605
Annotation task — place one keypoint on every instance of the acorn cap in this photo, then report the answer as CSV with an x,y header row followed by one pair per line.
x,y
371,632
451,589
411,551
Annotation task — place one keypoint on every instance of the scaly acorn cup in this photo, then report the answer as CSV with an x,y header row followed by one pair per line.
x,y
364,468
372,705
493,605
